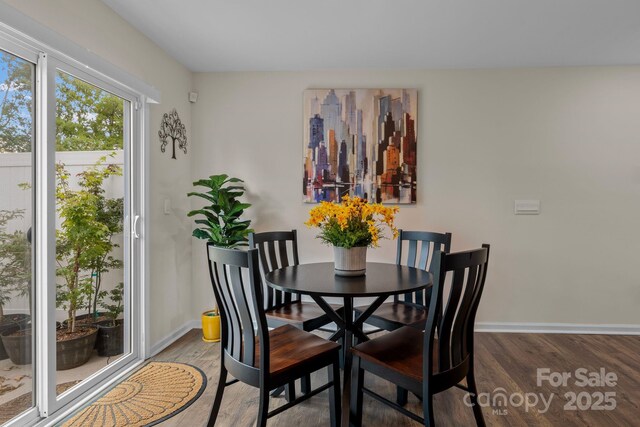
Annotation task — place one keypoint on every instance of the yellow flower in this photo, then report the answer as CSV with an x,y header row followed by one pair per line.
x,y
353,221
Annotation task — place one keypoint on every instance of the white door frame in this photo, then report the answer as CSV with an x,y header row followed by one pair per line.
x,y
130,244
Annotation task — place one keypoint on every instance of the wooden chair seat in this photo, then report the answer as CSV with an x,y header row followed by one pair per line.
x,y
298,312
291,348
397,313
400,351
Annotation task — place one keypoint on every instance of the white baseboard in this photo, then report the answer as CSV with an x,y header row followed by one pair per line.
x,y
173,336
510,327
558,328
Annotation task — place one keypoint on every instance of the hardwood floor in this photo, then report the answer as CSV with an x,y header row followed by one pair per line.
x,y
507,361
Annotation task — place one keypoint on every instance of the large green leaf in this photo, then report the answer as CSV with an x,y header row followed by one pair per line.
x,y
201,234
238,208
207,213
220,220
204,196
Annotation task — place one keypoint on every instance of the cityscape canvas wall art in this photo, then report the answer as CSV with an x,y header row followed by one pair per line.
x,y
360,142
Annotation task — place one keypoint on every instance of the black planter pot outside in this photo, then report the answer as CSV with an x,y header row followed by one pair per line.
x,y
75,352
110,341
18,347
11,323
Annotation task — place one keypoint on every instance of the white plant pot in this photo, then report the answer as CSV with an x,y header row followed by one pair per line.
x,y
350,262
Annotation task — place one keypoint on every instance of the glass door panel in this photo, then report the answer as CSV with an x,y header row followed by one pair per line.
x,y
92,249
17,375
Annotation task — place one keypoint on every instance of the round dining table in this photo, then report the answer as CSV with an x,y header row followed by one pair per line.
x,y
319,281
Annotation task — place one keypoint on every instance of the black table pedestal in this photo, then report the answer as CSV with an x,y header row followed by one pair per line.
x,y
319,281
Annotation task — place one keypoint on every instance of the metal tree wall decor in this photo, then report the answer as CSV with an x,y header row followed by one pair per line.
x,y
173,129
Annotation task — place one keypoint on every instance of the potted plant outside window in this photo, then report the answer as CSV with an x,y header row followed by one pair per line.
x,y
15,278
109,212
110,341
84,237
83,253
219,222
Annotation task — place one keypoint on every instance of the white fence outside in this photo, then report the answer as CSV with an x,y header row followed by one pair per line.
x,y
16,169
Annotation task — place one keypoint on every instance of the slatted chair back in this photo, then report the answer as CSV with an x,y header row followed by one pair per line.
x,y
417,249
243,321
467,272
277,249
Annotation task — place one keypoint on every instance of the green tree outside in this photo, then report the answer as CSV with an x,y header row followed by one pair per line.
x,y
88,118
16,104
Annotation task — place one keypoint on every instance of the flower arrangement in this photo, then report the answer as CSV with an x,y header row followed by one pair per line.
x,y
352,223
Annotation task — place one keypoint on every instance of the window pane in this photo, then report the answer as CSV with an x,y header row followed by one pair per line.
x,y
89,229
16,220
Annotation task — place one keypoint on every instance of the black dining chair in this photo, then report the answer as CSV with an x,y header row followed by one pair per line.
x,y
436,359
253,354
279,249
415,249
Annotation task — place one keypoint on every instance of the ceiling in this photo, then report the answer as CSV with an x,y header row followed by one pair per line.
x,y
247,35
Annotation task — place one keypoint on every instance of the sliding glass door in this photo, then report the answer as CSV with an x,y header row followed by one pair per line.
x,y
69,247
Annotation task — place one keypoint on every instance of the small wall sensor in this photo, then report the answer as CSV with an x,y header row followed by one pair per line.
x,y
193,97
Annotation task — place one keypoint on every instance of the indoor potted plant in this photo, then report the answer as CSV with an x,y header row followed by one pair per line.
x,y
219,223
350,227
110,340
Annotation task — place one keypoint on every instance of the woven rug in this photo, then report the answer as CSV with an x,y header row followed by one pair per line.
x,y
157,391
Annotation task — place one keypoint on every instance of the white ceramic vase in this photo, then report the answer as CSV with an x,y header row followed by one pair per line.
x,y
351,261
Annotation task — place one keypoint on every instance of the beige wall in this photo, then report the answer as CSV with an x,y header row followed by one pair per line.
x,y
93,25
567,136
